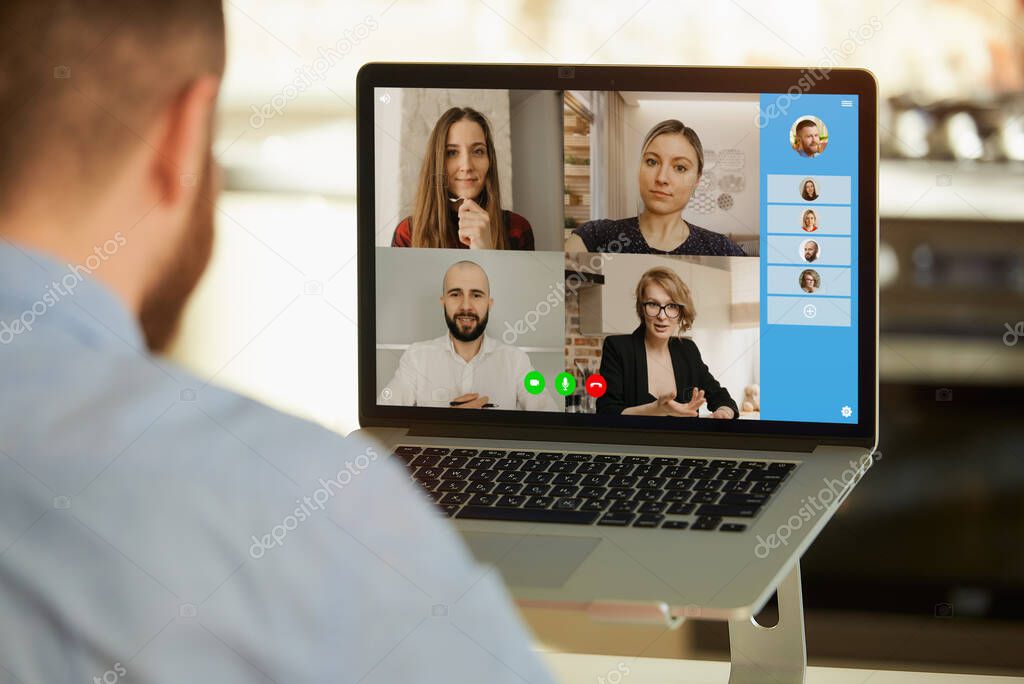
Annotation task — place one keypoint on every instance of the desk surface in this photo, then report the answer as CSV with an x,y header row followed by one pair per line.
x,y
571,668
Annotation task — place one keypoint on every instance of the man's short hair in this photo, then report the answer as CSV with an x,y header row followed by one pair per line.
x,y
804,123
81,80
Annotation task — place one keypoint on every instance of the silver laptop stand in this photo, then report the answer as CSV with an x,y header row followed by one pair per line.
x,y
758,654
772,654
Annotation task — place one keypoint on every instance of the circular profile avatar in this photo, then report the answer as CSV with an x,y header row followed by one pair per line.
x,y
808,190
810,251
810,280
809,221
808,136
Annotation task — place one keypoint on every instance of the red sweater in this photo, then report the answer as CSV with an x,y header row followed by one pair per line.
x,y
518,233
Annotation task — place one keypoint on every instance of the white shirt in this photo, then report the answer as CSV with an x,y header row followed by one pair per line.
x,y
431,373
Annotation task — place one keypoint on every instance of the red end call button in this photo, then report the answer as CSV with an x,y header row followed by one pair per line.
x,y
596,386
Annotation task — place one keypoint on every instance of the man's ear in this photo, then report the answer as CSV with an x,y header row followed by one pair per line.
x,y
182,139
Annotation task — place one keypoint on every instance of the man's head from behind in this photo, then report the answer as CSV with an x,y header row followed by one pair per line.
x,y
466,298
106,109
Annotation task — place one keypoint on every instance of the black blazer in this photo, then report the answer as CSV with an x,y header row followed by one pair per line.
x,y
624,367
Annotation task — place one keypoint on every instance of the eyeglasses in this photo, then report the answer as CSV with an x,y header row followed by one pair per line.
x,y
654,309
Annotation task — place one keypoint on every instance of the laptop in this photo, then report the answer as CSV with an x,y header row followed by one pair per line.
x,y
619,323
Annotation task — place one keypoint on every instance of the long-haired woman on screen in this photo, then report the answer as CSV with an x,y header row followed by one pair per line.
x,y
458,198
810,190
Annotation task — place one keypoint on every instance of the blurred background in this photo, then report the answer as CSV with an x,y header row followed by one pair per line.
x,y
925,566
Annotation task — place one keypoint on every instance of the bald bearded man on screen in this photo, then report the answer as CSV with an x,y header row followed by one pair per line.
x,y
464,368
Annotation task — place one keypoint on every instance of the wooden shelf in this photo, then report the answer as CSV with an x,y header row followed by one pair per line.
x,y
576,146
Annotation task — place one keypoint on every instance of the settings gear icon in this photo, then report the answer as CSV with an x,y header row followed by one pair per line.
x,y
846,411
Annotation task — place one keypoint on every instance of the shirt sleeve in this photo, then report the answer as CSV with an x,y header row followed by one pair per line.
x,y
589,233
733,249
520,233
402,236
526,237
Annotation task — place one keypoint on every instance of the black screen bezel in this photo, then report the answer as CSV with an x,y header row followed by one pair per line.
x,y
569,427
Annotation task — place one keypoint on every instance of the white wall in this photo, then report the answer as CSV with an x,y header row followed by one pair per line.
x,y
723,122
537,162
387,157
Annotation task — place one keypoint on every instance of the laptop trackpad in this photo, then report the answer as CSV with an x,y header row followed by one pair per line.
x,y
533,560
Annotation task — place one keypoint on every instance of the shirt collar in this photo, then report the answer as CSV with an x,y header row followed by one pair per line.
x,y
37,291
488,346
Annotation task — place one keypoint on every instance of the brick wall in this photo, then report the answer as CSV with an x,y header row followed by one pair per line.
x,y
582,349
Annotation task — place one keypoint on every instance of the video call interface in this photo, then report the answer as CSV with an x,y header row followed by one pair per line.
x,y
683,255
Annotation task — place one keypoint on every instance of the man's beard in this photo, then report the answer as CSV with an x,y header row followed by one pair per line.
x,y
473,334
163,304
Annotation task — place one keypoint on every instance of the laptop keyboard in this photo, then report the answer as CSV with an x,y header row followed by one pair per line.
x,y
595,489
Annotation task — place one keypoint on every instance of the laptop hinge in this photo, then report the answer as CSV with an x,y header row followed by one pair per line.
x,y
675,439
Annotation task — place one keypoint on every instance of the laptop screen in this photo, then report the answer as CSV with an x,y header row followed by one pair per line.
x,y
628,255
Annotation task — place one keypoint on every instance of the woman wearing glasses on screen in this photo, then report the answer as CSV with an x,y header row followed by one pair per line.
x,y
810,280
458,201
654,371
671,164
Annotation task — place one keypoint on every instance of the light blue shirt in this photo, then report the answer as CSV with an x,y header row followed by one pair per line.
x,y
154,528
